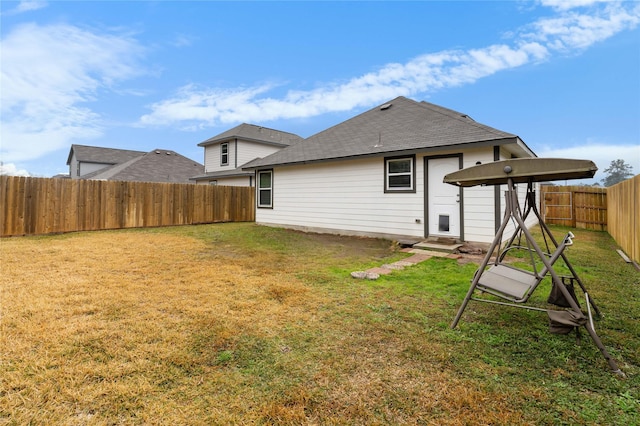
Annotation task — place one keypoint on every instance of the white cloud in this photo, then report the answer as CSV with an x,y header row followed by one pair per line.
x,y
571,31
10,169
194,108
600,153
569,4
48,73
27,6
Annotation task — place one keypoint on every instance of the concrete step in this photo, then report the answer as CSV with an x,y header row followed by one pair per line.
x,y
435,246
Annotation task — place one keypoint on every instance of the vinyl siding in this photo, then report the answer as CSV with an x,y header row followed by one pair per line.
x,y
86,168
347,197
344,197
248,151
245,152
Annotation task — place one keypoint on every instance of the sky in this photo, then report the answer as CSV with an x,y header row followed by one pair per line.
x,y
563,75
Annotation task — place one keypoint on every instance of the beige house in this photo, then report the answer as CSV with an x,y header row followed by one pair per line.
x,y
225,154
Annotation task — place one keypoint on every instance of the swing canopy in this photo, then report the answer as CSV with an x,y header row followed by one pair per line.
x,y
522,170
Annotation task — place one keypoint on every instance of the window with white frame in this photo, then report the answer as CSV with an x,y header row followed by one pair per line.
x,y
265,189
400,174
224,154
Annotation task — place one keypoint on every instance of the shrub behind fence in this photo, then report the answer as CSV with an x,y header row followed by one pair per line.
x,y
33,206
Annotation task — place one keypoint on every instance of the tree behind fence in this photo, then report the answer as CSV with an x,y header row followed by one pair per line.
x,y
34,206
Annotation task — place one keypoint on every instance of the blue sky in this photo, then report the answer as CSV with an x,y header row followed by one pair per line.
x,y
564,75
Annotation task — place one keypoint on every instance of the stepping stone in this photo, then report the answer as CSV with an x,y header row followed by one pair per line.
x,y
393,266
365,275
379,271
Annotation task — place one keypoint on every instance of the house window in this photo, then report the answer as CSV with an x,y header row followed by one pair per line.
x,y
213,182
265,189
224,154
400,174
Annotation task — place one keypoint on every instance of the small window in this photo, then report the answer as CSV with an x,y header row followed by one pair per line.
x,y
400,174
213,182
224,154
265,189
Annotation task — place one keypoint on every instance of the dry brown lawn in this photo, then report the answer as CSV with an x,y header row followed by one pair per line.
x,y
169,327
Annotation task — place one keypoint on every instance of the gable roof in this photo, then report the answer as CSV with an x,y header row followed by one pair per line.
x,y
159,165
399,126
254,133
96,154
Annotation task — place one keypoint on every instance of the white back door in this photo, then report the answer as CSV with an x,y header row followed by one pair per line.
x,y
443,200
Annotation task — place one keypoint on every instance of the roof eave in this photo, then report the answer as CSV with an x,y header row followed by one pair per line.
x,y
231,138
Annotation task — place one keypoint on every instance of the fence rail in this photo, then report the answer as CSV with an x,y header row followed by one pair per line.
x,y
623,201
34,206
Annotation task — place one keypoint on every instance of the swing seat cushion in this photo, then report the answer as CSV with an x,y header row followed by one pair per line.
x,y
513,283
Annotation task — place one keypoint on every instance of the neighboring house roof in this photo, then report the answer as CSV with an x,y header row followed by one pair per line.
x,y
251,132
95,154
400,126
159,165
224,174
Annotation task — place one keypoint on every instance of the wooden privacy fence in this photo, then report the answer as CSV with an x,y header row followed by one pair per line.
x,y
574,206
623,202
33,206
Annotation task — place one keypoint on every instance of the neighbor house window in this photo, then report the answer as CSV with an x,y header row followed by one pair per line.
x,y
224,154
265,189
400,174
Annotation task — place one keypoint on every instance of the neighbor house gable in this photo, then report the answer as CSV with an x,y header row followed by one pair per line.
x,y
225,154
84,160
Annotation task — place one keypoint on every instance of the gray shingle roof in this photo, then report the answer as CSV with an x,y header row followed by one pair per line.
x,y
255,133
95,154
159,165
226,174
398,126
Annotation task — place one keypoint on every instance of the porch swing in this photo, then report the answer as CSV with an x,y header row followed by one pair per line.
x,y
514,285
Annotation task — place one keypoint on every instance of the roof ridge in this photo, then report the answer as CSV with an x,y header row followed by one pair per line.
x,y
457,115
270,128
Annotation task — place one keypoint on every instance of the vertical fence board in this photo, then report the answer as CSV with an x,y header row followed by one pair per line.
x,y
624,215
575,206
32,206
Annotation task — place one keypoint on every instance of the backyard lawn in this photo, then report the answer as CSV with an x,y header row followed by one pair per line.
x,y
242,324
